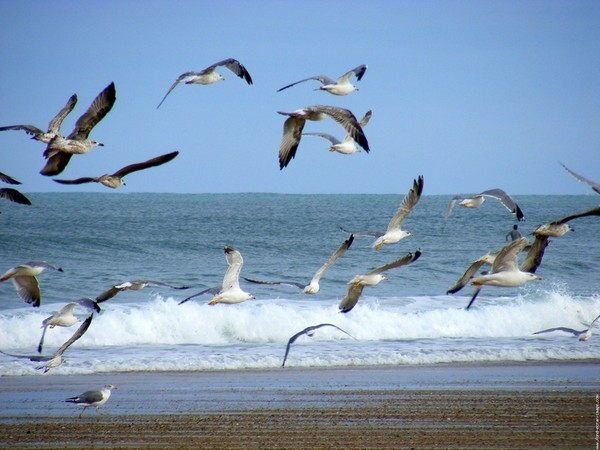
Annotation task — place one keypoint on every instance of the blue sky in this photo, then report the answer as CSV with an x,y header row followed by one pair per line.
x,y
472,95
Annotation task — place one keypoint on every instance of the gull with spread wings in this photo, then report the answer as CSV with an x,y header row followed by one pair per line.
x,y
24,278
348,145
340,87
231,291
476,200
582,335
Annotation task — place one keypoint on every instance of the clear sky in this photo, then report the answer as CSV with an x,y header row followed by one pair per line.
x,y
471,94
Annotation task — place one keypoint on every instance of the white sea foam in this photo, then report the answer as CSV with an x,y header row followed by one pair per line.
x,y
160,335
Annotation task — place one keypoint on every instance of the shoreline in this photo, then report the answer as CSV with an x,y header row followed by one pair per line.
x,y
533,405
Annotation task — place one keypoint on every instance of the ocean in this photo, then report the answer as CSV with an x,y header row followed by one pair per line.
x,y
104,239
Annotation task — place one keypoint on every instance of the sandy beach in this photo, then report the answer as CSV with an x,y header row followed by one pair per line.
x,y
442,406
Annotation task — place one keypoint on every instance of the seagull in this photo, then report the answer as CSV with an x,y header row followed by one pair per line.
x,y
595,186
134,285
60,149
14,195
92,398
313,287
347,146
57,359
53,126
231,292
309,331
24,277
394,233
475,201
560,227
505,271
210,75
115,180
372,278
582,335
211,290
340,87
294,124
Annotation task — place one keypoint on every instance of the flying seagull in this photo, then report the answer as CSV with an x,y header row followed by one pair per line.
x,y
340,87
505,270
294,124
116,180
394,232
231,292
60,149
92,398
57,359
313,287
309,331
210,75
24,277
372,278
595,186
476,200
582,335
53,126
347,146
134,285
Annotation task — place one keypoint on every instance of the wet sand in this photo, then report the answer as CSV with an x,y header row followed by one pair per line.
x,y
456,406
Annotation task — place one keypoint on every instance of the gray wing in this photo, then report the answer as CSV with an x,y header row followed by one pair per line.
x,y
330,137
351,299
56,122
535,254
406,259
212,291
464,279
306,331
474,296
287,283
506,200
594,322
29,129
323,79
87,397
162,159
88,303
368,233
179,79
235,66
80,331
108,294
101,105
507,257
347,120
235,262
566,330
81,180
41,343
56,164
365,120
408,203
160,283
8,180
14,196
292,133
43,264
595,186
358,71
333,258
590,212
28,289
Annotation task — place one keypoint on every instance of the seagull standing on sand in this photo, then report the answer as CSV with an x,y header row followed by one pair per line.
x,y
231,292
294,124
24,277
505,270
582,335
53,126
92,398
348,145
134,285
60,149
116,180
309,331
394,232
372,278
340,87
210,75
475,201
313,287
57,359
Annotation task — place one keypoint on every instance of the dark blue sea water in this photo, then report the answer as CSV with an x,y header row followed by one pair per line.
x,y
105,239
